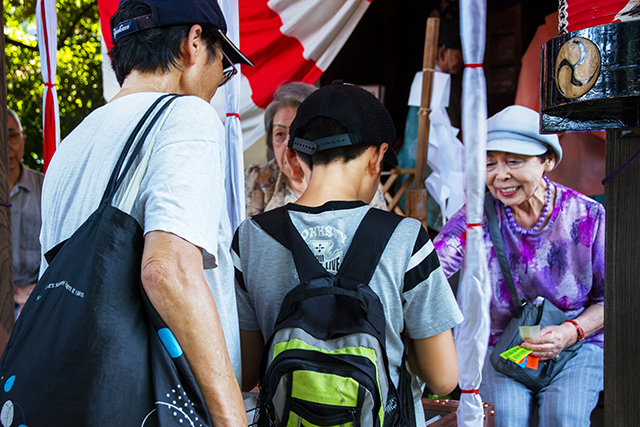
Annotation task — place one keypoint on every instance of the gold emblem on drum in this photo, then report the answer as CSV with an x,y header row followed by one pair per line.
x,y
577,67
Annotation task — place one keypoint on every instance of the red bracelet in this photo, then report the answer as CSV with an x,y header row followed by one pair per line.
x,y
578,328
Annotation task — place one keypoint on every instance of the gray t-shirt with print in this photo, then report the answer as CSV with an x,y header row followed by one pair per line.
x,y
408,279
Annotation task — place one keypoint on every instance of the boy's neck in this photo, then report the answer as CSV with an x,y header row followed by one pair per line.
x,y
339,181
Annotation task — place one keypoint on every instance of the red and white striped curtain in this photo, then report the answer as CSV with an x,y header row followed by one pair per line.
x,y
288,40
578,14
47,26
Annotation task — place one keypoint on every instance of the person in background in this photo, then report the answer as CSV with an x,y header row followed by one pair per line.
x,y
26,187
445,149
450,60
554,243
274,184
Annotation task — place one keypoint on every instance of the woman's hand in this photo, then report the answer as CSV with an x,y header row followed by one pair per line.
x,y
552,340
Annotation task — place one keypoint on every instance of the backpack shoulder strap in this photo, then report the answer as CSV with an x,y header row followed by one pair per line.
x,y
272,222
277,223
364,253
368,244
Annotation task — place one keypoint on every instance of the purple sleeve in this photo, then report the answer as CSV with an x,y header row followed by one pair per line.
x,y
597,291
450,243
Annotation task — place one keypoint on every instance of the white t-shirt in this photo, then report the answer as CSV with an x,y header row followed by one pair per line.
x,y
182,191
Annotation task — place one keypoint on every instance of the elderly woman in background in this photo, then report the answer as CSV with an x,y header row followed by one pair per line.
x,y
554,242
274,184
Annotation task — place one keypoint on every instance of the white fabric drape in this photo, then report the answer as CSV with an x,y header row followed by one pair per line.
x,y
234,179
474,292
446,181
47,26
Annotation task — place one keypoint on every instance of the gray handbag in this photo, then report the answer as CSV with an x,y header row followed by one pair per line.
x,y
528,314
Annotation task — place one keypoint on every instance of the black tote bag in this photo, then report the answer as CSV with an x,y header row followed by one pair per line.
x,y
89,349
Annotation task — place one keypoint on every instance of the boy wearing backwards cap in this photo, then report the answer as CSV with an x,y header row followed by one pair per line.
x,y
342,133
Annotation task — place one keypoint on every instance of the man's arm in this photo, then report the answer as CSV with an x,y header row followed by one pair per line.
x,y
251,344
435,361
173,278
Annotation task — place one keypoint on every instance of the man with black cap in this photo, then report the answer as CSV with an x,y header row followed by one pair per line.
x,y
164,46
342,133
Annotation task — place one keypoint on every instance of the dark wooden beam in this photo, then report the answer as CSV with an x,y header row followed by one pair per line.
x,y
622,282
6,253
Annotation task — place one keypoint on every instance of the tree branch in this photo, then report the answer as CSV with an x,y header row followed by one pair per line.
x,y
9,40
69,30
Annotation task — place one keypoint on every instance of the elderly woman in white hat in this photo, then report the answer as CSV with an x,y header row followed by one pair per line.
x,y
554,242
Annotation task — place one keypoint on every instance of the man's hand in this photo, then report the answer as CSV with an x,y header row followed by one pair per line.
x,y
21,295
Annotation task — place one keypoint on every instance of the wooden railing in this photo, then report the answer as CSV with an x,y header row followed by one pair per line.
x,y
393,198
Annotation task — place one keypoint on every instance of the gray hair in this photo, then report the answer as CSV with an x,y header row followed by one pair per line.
x,y
288,95
15,117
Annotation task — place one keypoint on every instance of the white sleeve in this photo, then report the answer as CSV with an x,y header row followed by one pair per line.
x,y
183,190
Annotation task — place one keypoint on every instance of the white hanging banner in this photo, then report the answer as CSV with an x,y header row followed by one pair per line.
x,y
47,27
474,291
234,178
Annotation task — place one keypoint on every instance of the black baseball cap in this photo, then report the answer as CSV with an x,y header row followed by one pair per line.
x,y
165,13
365,118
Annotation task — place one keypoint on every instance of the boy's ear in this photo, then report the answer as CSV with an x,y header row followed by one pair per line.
x,y
375,161
292,159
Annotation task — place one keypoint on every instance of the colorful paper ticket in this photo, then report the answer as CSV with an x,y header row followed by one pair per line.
x,y
507,354
532,362
521,356
529,332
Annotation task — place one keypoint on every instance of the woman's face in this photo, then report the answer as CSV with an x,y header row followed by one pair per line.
x,y
280,136
514,178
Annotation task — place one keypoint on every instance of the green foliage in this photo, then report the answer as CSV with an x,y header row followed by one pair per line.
x,y
78,73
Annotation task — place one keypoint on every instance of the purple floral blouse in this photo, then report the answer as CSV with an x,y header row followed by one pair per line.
x,y
563,262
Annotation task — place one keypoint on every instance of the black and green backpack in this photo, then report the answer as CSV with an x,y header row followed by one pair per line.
x,y
326,362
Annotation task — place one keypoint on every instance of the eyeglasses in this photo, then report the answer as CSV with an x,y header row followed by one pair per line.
x,y
229,72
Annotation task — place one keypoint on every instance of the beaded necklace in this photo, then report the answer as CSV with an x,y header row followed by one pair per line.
x,y
545,211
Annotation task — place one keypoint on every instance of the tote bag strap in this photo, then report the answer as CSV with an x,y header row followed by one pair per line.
x,y
119,173
498,246
126,197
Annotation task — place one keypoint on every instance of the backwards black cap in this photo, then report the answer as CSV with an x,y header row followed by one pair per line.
x,y
365,118
165,13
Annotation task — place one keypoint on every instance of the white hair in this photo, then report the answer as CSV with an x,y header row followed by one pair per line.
x,y
15,117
